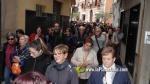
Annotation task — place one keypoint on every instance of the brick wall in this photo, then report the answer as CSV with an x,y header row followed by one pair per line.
x,y
107,9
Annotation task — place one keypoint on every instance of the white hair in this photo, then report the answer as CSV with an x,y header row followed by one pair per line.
x,y
81,27
26,37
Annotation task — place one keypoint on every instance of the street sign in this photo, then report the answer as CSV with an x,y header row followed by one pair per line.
x,y
75,9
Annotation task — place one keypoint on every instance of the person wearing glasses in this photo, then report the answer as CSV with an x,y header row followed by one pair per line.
x,y
39,59
8,48
109,72
60,71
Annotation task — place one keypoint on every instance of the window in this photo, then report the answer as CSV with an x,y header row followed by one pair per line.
x,y
39,10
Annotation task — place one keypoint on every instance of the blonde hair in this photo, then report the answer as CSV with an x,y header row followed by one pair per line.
x,y
62,48
109,49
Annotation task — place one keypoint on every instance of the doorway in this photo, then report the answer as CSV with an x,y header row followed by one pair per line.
x,y
132,38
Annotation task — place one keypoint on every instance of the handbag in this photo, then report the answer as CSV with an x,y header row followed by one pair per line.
x,y
80,69
16,68
99,57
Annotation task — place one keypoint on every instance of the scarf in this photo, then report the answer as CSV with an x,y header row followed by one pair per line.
x,y
60,66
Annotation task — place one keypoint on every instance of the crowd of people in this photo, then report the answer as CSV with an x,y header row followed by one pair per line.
x,y
63,55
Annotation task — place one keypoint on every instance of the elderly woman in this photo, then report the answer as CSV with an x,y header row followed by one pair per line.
x,y
99,41
85,57
110,72
21,51
8,48
79,38
60,71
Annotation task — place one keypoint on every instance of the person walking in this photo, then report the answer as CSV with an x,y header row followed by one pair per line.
x,y
109,72
60,71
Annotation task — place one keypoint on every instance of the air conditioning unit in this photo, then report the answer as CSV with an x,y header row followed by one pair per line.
x,y
111,10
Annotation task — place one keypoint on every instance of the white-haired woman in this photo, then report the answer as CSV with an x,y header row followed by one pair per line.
x,y
21,51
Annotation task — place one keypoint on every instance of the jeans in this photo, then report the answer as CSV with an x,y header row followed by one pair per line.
x,y
7,75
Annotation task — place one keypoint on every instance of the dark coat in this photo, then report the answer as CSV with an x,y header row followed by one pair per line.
x,y
70,42
120,77
79,40
57,38
66,74
38,64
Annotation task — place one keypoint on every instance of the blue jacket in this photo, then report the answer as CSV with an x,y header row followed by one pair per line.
x,y
120,77
24,52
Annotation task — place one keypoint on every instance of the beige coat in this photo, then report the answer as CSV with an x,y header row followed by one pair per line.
x,y
78,58
114,38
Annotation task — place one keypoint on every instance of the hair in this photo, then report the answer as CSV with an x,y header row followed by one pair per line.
x,y
88,40
37,28
82,27
31,78
69,29
50,28
62,48
38,45
108,49
56,23
25,37
111,29
10,34
98,28
20,31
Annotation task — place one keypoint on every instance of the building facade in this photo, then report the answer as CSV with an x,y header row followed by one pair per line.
x,y
28,14
89,8
135,48
115,10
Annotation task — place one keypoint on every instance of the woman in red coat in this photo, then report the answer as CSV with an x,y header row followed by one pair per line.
x,y
38,33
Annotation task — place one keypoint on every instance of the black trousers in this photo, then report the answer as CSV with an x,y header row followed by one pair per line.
x,y
83,81
99,57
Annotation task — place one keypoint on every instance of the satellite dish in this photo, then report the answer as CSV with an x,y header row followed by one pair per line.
x,y
75,9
